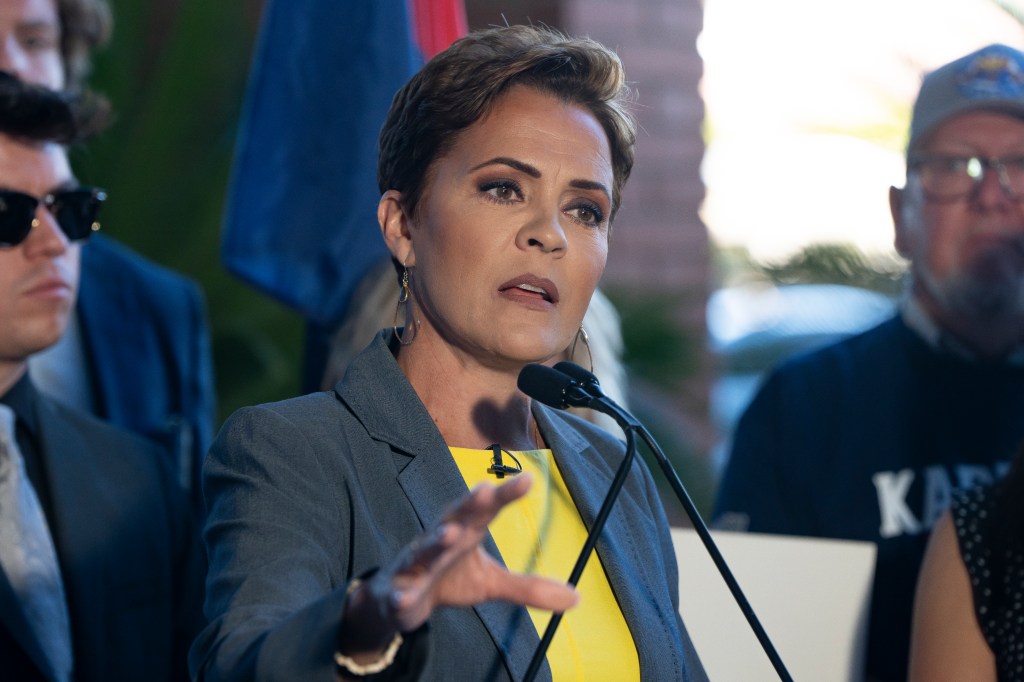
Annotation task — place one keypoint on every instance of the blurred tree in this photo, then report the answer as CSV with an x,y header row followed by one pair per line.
x,y
657,346
175,73
817,263
837,264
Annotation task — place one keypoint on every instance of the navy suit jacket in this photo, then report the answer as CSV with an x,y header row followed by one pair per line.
x,y
128,552
148,349
306,494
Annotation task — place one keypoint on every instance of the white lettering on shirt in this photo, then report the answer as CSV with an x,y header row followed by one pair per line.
x,y
892,490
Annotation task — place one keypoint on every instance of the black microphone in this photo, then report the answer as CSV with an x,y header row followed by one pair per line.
x,y
552,387
559,390
586,379
586,382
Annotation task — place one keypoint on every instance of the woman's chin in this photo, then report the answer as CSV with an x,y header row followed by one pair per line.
x,y
536,348
515,358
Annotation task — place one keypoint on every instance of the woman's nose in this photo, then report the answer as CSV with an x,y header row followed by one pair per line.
x,y
544,231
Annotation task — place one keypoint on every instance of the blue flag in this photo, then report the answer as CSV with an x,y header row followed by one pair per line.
x,y
301,214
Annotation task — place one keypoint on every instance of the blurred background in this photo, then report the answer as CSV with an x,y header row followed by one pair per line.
x,y
755,223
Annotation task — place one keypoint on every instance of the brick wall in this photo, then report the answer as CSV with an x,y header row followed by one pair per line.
x,y
660,240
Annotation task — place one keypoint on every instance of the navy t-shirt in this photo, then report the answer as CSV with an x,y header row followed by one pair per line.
x,y
866,440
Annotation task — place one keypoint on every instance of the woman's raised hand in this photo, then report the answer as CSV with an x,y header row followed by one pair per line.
x,y
446,566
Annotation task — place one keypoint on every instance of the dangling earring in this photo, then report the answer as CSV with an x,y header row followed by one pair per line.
x,y
403,300
581,335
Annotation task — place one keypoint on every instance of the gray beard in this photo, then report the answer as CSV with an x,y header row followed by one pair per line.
x,y
990,291
988,303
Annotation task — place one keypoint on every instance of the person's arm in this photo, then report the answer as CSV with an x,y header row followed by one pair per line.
x,y
946,640
277,550
279,545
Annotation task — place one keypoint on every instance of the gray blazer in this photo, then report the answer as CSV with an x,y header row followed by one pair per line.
x,y
306,494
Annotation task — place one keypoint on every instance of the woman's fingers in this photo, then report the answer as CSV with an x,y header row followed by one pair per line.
x,y
479,578
485,501
536,592
462,528
448,566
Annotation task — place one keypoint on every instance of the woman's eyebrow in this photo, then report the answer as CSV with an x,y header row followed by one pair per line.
x,y
591,184
532,171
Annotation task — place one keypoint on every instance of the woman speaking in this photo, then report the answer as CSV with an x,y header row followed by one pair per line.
x,y
355,533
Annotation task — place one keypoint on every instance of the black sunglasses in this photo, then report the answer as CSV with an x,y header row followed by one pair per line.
x,y
74,209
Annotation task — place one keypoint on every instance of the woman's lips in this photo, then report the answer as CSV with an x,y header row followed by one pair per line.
x,y
530,288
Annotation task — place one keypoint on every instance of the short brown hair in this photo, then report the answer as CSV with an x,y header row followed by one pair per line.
x,y
459,86
84,26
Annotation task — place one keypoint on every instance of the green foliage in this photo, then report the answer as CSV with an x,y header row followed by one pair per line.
x,y
733,265
658,348
175,73
836,264
822,263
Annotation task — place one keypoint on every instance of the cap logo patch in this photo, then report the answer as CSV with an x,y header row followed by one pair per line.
x,y
993,73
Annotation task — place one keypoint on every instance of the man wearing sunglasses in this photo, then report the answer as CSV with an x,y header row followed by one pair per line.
x,y
137,350
100,566
868,438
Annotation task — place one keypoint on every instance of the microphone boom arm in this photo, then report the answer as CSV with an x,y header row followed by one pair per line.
x,y
586,382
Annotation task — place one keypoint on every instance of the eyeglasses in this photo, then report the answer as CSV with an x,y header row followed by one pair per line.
x,y
74,209
947,178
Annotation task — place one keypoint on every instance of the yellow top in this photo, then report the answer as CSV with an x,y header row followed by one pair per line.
x,y
542,533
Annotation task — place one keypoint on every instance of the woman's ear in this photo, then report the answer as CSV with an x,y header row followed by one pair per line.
x,y
395,227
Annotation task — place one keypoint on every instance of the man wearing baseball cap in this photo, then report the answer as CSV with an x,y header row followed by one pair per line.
x,y
866,439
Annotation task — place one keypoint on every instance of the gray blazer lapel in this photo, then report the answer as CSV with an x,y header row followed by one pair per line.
x,y
377,392
379,395
588,475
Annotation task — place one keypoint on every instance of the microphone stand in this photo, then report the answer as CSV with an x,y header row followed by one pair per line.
x,y
716,556
588,548
602,403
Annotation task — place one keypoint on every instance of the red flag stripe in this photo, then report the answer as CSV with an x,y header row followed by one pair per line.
x,y
436,23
